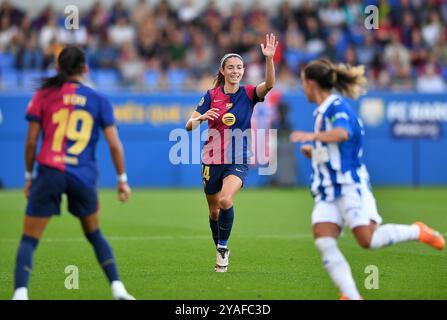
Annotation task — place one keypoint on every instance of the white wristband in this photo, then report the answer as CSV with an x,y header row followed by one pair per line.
x,y
28,175
122,178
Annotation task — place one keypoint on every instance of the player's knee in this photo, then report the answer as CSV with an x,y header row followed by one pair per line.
x,y
225,202
214,213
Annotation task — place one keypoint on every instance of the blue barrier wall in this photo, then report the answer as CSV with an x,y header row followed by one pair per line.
x,y
405,141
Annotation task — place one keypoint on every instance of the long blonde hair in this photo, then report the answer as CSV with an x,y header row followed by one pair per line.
x,y
349,81
219,79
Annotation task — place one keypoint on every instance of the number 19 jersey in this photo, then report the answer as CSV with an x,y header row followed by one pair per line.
x,y
70,117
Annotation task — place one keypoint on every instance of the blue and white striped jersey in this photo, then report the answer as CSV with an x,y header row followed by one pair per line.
x,y
337,165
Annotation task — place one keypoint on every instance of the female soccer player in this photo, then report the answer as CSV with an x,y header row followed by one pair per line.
x,y
340,182
69,115
229,106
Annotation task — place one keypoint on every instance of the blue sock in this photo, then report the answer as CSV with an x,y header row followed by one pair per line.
x,y
226,218
24,261
104,254
214,230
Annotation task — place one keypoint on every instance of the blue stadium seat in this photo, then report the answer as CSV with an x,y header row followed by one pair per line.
x,y
7,60
105,78
9,80
151,78
176,78
30,79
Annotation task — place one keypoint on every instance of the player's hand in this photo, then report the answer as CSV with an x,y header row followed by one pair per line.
x,y
124,191
306,149
302,136
27,187
211,114
269,49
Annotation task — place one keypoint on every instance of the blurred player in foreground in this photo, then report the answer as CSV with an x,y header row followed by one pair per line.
x,y
340,181
228,107
69,115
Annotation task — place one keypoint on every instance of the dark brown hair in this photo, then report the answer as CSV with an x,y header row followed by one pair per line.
x,y
219,78
70,62
349,81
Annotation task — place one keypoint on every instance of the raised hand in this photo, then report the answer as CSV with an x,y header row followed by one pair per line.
x,y
268,50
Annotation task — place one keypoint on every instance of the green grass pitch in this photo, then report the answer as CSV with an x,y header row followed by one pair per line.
x,y
164,250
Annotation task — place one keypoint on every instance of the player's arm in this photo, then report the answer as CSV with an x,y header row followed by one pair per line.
x,y
117,153
197,118
32,138
336,135
268,50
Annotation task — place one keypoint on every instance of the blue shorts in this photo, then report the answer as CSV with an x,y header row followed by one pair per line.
x,y
214,174
46,194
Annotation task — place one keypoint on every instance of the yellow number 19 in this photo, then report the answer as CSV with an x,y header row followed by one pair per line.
x,y
67,125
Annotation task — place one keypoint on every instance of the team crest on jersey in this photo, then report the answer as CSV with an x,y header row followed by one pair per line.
x,y
229,105
228,119
201,101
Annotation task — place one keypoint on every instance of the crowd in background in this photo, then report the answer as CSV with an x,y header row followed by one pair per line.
x,y
157,45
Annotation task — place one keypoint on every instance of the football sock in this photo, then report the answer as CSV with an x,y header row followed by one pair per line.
x,y
104,254
226,218
214,230
337,267
389,234
24,261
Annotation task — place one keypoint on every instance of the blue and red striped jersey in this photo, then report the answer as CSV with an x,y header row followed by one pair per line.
x,y
229,136
70,117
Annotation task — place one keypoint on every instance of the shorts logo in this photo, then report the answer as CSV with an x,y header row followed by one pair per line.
x,y
239,170
229,105
228,119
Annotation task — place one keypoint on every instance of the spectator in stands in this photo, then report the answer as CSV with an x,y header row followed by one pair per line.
x,y
396,51
30,55
130,66
432,29
7,33
14,14
201,55
121,32
141,13
119,11
332,16
188,12
49,32
430,81
368,50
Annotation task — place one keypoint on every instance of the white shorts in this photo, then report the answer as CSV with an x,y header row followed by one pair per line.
x,y
352,208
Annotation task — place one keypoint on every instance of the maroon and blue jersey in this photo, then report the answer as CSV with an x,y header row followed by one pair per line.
x,y
229,136
71,117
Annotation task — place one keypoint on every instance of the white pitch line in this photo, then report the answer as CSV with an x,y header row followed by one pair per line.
x,y
167,237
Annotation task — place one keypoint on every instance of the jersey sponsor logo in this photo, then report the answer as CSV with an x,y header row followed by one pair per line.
x,y
228,119
201,101
216,101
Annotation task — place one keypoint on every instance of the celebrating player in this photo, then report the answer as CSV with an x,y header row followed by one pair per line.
x,y
226,107
340,181
70,116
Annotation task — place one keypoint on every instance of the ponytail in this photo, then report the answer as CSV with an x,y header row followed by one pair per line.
x,y
349,81
70,62
219,80
54,82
